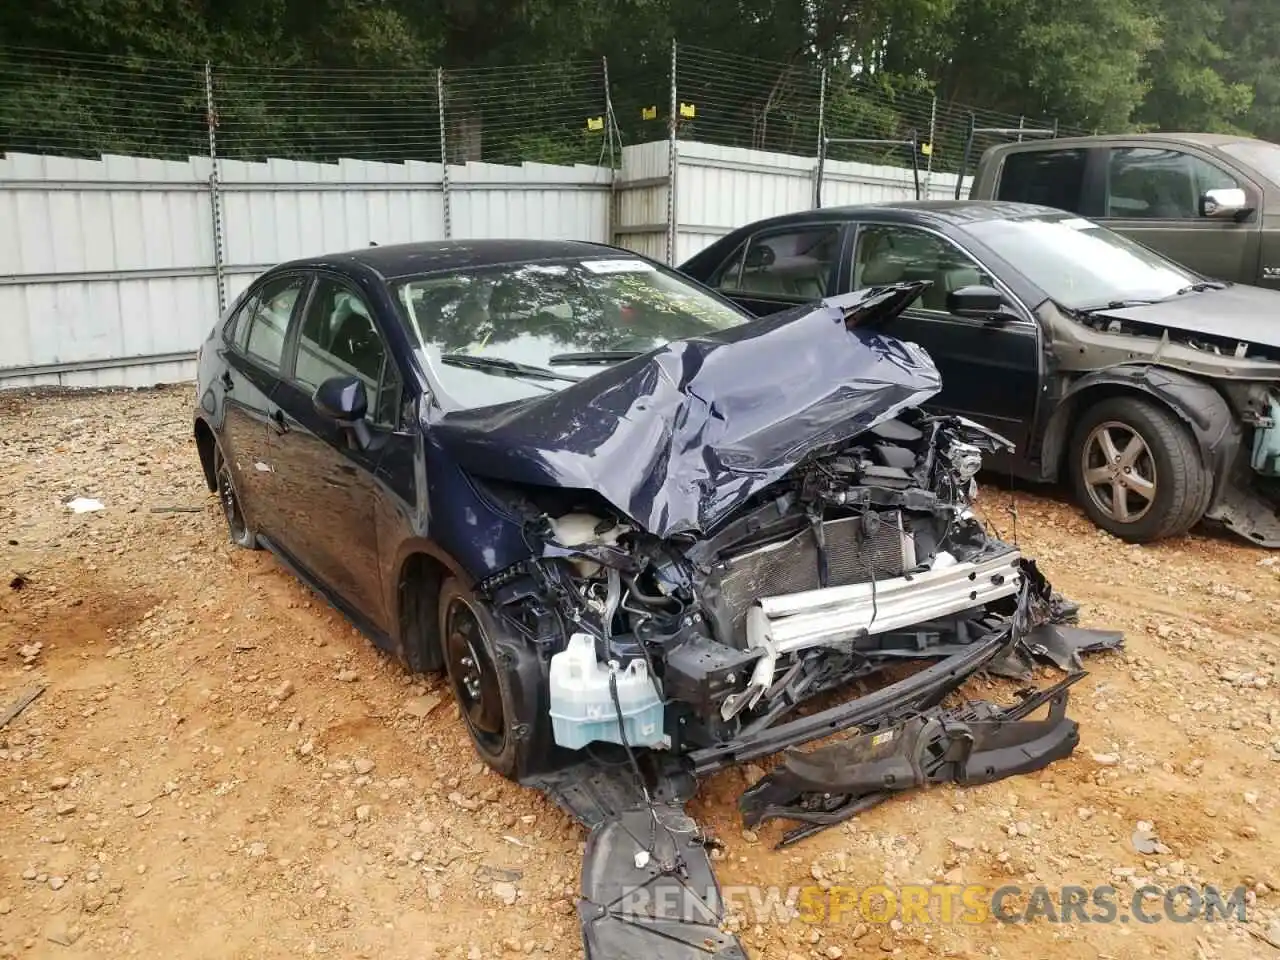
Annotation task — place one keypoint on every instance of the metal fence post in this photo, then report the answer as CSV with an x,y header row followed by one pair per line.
x,y
933,126
611,224
446,204
822,134
673,163
215,200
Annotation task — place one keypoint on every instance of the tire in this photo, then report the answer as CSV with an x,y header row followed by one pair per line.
x,y
1165,484
500,704
238,528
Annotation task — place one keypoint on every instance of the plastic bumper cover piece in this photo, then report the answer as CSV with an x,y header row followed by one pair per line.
x,y
978,742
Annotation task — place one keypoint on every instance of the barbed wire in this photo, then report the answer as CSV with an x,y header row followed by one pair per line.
x,y
575,111
741,101
75,105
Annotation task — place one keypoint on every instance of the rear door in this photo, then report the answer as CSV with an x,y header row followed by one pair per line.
x,y
782,267
253,369
1152,194
328,487
991,370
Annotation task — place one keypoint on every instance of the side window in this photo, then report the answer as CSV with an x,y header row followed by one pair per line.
x,y
727,275
339,339
889,253
236,328
1150,183
1052,178
266,316
791,265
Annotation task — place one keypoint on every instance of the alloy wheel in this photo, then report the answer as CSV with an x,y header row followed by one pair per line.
x,y
1119,471
231,503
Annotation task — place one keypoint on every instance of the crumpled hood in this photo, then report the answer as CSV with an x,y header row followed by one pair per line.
x,y
678,438
1240,312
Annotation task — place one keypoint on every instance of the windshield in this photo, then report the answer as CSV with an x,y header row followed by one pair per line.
x,y
1082,265
1262,156
504,333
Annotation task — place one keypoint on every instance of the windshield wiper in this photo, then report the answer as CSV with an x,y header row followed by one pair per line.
x,y
504,367
1117,305
593,356
1201,286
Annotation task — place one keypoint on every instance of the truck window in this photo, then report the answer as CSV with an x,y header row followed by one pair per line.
x,y
1146,183
1053,178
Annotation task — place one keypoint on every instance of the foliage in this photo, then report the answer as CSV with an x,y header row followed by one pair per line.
x,y
320,78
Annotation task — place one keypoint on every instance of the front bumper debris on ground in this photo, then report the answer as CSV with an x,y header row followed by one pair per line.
x,y
648,887
978,742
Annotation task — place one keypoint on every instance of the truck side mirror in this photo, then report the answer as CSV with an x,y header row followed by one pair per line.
x,y
1224,203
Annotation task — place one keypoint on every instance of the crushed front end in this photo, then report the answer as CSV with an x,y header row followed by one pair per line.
x,y
713,570
867,553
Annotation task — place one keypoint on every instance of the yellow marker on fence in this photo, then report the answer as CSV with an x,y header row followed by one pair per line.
x,y
595,123
688,111
648,113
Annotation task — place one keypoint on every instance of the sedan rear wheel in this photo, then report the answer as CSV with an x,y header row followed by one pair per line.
x,y
238,528
1137,471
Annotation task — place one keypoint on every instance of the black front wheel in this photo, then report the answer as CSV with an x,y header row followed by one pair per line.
x,y
506,722
238,528
1137,471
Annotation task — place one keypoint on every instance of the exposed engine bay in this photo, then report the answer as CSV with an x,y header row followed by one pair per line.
x,y
867,553
701,648
710,567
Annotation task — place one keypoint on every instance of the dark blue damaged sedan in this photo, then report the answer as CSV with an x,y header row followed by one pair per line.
x,y
613,507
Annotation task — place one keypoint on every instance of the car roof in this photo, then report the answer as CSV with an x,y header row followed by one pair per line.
x,y
407,259
1198,139
953,212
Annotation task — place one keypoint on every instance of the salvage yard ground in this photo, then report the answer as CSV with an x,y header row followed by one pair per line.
x,y
220,766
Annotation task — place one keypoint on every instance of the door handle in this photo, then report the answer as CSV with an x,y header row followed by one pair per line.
x,y
278,421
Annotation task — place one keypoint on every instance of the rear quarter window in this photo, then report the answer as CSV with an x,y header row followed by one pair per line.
x,y
1051,178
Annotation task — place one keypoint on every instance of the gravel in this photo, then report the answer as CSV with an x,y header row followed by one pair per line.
x,y
203,684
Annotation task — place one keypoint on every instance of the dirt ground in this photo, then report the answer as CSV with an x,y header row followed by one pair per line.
x,y
221,767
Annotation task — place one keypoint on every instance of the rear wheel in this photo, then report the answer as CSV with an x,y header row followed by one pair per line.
x,y
505,722
1137,471
238,528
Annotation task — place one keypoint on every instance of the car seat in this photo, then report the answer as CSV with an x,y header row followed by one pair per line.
x,y
355,340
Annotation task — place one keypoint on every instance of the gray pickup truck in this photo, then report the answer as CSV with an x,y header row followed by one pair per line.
x,y
1210,202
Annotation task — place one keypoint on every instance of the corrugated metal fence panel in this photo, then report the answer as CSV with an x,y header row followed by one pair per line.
x,y
533,200
107,266
107,272
641,199
284,209
722,188
77,234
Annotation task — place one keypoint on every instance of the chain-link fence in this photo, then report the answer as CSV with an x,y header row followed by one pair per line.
x,y
568,112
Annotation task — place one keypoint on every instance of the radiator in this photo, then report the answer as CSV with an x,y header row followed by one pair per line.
x,y
791,566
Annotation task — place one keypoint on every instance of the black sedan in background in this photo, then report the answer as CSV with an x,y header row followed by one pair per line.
x,y
1151,389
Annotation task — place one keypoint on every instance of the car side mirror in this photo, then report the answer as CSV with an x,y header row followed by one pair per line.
x,y
345,401
978,302
1224,203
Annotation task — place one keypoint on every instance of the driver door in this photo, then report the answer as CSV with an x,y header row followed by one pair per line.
x,y
329,492
990,369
